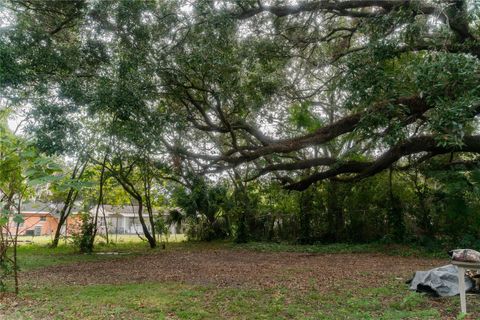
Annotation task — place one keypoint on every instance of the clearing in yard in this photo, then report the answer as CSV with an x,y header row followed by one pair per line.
x,y
223,281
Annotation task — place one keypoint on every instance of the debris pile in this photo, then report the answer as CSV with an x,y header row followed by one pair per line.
x,y
443,281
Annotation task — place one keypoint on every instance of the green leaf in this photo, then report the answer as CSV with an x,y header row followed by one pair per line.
x,y
3,220
18,218
28,154
43,180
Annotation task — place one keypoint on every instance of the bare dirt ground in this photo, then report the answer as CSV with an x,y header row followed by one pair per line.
x,y
239,268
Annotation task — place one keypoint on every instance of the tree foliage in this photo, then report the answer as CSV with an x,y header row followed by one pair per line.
x,y
342,100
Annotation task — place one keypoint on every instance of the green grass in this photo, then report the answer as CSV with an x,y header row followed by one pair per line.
x,y
181,301
39,254
120,238
35,256
390,249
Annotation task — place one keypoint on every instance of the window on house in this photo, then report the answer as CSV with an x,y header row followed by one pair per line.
x,y
43,218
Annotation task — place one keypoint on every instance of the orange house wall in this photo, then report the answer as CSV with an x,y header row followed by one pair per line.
x,y
49,226
31,221
74,224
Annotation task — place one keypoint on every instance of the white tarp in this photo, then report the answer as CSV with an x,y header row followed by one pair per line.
x,y
442,281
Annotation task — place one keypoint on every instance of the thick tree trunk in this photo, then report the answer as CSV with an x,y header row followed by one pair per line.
x,y
395,217
242,229
335,217
306,211
243,225
242,202
425,220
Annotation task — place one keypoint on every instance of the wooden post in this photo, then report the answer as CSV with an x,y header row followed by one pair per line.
x,y
462,266
461,288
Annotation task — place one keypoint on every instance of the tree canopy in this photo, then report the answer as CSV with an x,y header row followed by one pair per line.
x,y
304,92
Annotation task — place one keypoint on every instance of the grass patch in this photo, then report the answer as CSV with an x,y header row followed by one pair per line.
x,y
182,301
38,255
390,249
114,238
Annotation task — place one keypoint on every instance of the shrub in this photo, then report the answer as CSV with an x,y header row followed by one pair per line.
x,y
84,239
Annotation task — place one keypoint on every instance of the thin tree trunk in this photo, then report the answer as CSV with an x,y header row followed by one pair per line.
x,y
68,205
130,189
15,264
148,203
61,219
151,240
99,201
105,221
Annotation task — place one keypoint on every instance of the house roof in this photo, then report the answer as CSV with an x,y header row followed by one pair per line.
x,y
37,214
122,210
44,208
37,207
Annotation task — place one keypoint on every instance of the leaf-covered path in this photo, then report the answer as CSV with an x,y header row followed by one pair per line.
x,y
221,282
234,268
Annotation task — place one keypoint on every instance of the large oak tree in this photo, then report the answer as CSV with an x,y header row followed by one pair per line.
x,y
305,91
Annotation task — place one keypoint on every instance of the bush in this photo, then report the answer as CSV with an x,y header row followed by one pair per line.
x,y
84,239
203,230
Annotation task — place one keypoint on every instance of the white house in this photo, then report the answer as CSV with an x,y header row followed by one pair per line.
x,y
123,220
